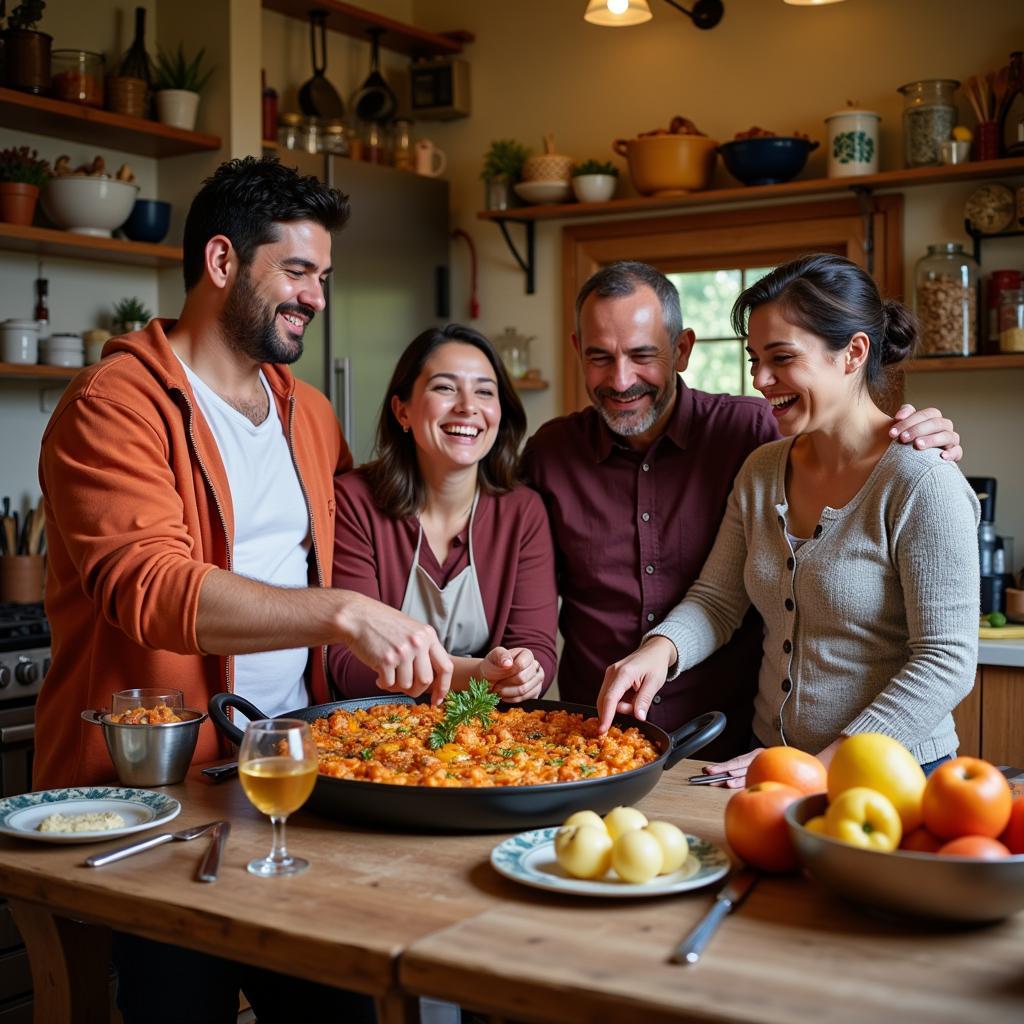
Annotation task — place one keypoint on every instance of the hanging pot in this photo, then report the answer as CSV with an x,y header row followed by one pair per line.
x,y
375,101
317,97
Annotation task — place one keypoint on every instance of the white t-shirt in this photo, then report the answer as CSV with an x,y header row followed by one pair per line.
x,y
272,539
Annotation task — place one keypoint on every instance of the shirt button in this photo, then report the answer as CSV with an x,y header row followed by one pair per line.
x,y
646,468
790,563
789,604
646,517
649,570
787,685
657,698
787,647
817,530
650,616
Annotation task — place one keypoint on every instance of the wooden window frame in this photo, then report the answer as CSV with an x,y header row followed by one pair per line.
x,y
754,237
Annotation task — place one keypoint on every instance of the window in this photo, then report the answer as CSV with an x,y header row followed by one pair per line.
x,y
718,362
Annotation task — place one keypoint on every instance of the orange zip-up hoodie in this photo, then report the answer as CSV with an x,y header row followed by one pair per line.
x,y
138,511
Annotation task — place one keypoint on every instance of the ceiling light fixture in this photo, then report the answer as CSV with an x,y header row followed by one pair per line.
x,y
620,13
810,3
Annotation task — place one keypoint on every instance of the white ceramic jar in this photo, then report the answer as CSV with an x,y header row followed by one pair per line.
x,y
852,143
19,342
63,350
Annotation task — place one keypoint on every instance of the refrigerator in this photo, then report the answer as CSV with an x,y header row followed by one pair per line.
x,y
389,283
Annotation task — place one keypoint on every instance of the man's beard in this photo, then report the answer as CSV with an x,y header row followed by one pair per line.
x,y
250,325
628,422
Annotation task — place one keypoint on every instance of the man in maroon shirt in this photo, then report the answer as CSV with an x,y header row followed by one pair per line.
x,y
636,486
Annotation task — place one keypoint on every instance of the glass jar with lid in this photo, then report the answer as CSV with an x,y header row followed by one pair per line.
x,y
1011,320
946,301
929,114
77,77
310,134
289,128
334,137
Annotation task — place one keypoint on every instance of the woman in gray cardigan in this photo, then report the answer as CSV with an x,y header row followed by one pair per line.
x,y
859,553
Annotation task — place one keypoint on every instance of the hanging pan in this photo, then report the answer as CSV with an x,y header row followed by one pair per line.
x,y
374,101
317,97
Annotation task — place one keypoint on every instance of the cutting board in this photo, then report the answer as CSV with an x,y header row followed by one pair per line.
x,y
1008,632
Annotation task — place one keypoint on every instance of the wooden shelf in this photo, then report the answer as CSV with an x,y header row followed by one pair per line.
x,y
38,371
355,21
941,364
101,128
530,384
909,178
51,242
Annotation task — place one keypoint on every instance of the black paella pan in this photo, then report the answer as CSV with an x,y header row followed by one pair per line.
x,y
487,808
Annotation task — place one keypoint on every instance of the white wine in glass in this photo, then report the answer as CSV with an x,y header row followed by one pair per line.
x,y
277,764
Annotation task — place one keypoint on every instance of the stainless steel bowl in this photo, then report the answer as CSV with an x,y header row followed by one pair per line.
x,y
907,883
150,755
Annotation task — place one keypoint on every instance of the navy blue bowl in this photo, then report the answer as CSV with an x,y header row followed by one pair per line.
x,y
766,161
149,221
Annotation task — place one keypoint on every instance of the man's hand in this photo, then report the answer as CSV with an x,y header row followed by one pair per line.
x,y
736,769
515,675
926,428
631,684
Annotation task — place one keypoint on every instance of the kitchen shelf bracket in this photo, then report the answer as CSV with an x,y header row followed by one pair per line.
x,y
977,237
527,264
867,210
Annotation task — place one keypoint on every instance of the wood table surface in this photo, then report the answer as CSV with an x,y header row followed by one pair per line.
x,y
402,915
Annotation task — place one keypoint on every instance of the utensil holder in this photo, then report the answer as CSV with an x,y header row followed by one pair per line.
x,y
986,140
127,95
22,578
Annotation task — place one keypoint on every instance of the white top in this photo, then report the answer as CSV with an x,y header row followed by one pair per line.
x,y
271,540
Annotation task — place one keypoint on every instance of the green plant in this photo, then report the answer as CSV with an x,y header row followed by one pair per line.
x,y
595,167
26,15
175,71
131,311
504,159
23,164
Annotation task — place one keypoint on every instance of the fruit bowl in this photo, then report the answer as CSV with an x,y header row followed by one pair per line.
x,y
88,205
923,885
766,160
542,191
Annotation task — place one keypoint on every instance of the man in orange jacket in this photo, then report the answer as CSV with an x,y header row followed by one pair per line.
x,y
188,488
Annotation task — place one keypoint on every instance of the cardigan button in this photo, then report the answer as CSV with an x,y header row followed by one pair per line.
x,y
789,604
817,530
787,685
790,563
786,646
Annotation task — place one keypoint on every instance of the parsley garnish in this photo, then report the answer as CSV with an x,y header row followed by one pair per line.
x,y
366,753
510,752
461,708
535,735
393,718
556,762
587,769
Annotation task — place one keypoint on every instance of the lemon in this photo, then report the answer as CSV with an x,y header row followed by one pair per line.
x,y
962,133
996,619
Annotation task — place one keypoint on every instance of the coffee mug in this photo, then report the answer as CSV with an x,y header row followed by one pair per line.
x,y
430,160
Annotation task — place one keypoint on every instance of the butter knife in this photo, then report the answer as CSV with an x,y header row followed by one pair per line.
x,y
729,897
97,860
210,863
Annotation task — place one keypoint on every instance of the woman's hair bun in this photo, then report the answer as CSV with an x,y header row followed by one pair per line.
x,y
899,334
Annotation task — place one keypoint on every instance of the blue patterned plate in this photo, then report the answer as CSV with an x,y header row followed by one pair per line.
x,y
530,858
141,809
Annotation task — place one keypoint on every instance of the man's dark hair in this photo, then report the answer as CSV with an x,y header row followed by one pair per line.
x,y
244,200
618,280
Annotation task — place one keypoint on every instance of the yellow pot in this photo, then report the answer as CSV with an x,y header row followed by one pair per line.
x,y
670,164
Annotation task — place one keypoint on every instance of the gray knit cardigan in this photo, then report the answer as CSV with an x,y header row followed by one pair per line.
x,y
870,626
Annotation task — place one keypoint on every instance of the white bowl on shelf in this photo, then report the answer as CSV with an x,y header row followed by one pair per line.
x,y
88,205
594,188
540,192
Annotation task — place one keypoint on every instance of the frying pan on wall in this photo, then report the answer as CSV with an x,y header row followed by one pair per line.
x,y
317,97
375,100
483,809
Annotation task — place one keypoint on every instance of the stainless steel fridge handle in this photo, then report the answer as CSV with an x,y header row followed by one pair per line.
x,y
343,396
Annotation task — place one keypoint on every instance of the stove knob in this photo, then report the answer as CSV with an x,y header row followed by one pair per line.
x,y
27,673
5,677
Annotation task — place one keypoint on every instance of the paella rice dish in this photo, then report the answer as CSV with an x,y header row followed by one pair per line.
x,y
417,745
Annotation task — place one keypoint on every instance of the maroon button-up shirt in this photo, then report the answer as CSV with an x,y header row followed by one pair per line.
x,y
632,531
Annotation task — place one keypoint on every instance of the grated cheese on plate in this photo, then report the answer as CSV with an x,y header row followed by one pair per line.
x,y
94,821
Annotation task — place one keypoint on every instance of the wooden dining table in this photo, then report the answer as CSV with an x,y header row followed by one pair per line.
x,y
399,916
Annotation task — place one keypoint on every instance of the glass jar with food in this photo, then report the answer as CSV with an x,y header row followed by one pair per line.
x,y
77,77
289,128
310,134
1011,320
929,115
334,137
946,301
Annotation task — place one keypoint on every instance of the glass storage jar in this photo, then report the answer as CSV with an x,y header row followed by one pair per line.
x,y
334,137
401,145
1011,320
946,301
77,77
289,127
310,134
929,114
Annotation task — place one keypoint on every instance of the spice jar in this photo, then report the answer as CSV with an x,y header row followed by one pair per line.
x,y
401,145
77,77
1011,320
929,115
945,301
999,282
334,137
289,127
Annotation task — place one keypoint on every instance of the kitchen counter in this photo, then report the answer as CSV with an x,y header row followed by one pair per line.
x,y
1007,653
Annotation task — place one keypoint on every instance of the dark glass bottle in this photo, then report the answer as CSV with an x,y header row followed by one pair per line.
x,y
135,63
269,108
42,310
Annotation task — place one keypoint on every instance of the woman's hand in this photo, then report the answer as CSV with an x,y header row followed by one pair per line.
x,y
926,428
631,684
515,675
737,768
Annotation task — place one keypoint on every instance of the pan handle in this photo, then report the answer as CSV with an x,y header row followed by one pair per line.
x,y
686,740
220,702
318,20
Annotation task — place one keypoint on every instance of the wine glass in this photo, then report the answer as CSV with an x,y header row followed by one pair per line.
x,y
277,765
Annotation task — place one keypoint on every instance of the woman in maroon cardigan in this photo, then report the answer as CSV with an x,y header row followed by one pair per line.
x,y
438,526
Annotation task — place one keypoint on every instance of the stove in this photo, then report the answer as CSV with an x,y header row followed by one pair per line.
x,y
24,651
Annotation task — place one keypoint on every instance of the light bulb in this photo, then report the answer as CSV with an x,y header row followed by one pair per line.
x,y
617,7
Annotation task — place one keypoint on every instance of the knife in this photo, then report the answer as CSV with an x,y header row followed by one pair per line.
x,y
97,860
729,897
210,863
707,780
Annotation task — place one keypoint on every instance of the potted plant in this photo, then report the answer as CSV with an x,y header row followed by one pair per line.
x,y
503,166
178,83
130,315
26,51
594,181
22,174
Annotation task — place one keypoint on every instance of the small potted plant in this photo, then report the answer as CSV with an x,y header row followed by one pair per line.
x,y
178,83
503,166
26,51
130,315
594,181
22,174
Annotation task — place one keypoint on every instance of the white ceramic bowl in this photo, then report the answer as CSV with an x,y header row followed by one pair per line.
x,y
542,191
88,205
594,188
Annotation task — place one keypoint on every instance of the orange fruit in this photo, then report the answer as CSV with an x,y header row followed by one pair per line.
x,y
789,766
979,847
921,841
967,797
1013,834
756,829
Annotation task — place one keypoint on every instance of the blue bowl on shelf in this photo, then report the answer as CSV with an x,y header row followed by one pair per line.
x,y
768,160
149,221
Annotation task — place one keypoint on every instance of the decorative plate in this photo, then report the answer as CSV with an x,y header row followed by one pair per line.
x,y
141,809
990,208
530,858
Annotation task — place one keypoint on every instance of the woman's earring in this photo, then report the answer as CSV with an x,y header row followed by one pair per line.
x,y
406,428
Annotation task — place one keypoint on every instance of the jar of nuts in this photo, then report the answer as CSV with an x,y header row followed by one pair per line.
x,y
946,301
